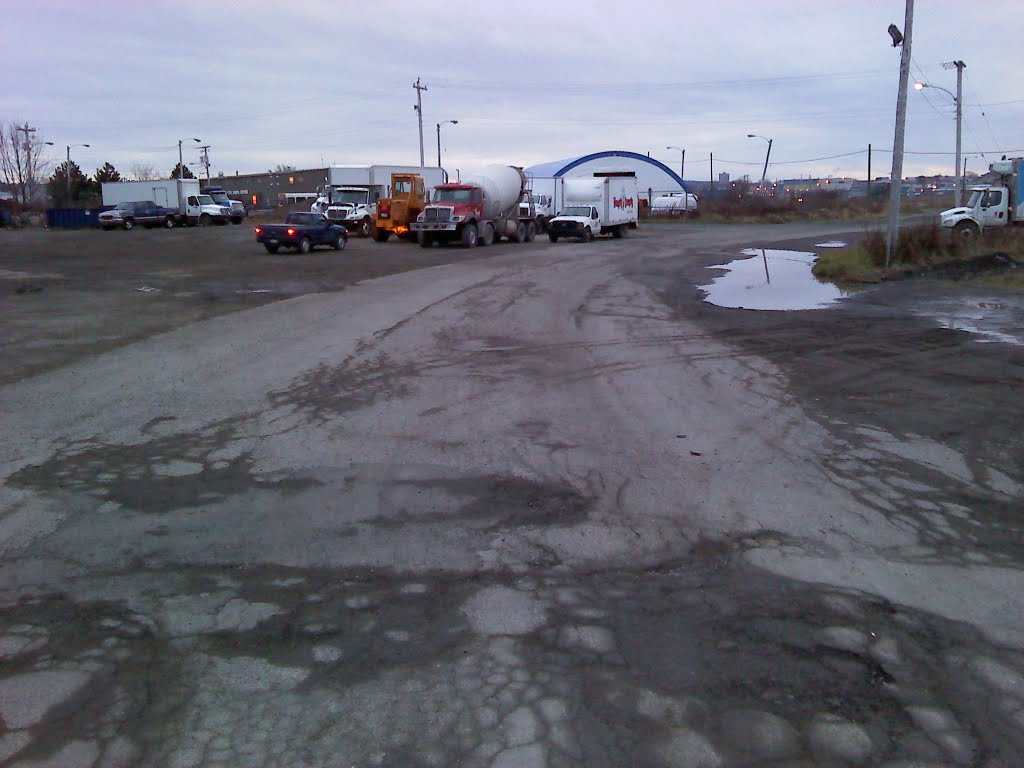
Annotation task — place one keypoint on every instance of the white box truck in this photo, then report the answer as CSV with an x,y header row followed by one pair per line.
x,y
996,204
595,206
181,195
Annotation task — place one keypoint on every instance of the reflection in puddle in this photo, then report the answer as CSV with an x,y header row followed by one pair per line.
x,y
831,244
992,320
776,280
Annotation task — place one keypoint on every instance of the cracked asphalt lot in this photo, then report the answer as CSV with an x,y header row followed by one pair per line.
x,y
538,507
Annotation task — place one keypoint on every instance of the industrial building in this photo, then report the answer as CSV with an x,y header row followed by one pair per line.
x,y
273,188
653,178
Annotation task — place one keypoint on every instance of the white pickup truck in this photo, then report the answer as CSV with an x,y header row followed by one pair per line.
x,y
597,206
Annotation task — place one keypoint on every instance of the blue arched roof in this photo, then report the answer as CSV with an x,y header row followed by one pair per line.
x,y
622,153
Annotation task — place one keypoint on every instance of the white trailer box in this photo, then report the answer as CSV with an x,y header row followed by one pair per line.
x,y
181,195
595,206
378,177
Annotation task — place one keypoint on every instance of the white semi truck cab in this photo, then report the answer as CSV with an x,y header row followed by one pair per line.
x,y
351,207
996,204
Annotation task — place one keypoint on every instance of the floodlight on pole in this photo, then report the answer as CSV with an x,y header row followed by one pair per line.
x,y
67,168
181,161
443,122
682,160
958,101
766,155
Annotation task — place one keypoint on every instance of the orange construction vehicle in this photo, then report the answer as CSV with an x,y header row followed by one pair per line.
x,y
408,199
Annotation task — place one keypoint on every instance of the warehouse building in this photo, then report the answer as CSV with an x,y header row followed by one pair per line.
x,y
273,188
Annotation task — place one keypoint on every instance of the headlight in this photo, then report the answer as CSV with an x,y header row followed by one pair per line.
x,y
420,217
458,218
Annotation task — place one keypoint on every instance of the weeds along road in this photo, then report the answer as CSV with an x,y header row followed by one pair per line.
x,y
538,507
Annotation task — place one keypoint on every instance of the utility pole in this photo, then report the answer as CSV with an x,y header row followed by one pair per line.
x,y
959,121
25,180
419,114
896,179
869,173
205,160
712,173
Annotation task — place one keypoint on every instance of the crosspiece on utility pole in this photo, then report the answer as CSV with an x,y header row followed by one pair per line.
x,y
419,114
205,160
959,123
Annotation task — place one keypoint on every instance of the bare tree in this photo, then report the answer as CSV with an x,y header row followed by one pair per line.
x,y
23,161
141,171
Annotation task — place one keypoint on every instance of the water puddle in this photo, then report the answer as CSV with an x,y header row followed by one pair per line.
x,y
831,244
990,319
772,280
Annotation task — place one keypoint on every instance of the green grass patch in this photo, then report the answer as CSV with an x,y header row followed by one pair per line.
x,y
927,249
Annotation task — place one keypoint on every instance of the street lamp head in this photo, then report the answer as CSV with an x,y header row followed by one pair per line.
x,y
751,136
919,86
50,143
196,140
85,145
455,122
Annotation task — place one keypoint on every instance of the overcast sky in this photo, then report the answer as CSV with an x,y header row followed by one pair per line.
x,y
307,84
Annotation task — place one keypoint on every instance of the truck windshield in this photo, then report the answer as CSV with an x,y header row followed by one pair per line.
x,y
205,200
455,195
348,196
976,196
220,197
403,187
577,210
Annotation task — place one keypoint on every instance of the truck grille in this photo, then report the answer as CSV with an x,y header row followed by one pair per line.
x,y
437,214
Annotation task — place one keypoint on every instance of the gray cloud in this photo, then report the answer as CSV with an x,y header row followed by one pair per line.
x,y
265,83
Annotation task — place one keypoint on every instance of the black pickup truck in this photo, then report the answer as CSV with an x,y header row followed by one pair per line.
x,y
302,231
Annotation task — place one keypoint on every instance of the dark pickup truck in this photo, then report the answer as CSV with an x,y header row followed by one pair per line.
x,y
144,213
302,231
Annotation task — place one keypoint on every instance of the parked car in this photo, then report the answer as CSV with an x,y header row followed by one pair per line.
x,y
303,232
145,213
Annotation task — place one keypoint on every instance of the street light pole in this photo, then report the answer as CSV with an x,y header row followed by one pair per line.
x,y
958,101
766,155
67,168
181,161
682,162
453,122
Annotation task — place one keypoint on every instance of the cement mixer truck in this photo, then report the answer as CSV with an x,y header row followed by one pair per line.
x,y
478,209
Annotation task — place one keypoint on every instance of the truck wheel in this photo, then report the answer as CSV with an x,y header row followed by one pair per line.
x,y
339,243
520,233
271,248
169,222
129,224
381,235
618,232
552,237
531,231
305,245
236,220
204,220
469,235
966,230
364,227
588,235
487,236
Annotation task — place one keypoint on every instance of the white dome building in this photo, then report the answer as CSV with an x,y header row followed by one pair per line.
x,y
653,178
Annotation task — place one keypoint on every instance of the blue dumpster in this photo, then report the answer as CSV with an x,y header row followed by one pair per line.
x,y
74,218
